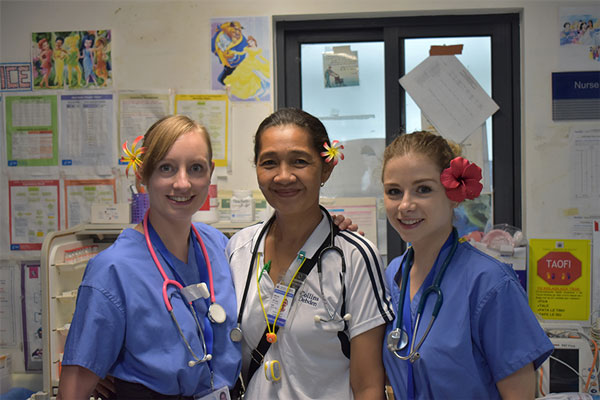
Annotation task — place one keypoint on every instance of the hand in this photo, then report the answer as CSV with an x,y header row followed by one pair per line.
x,y
105,389
345,223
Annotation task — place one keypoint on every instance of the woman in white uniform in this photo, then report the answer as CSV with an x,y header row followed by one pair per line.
x,y
319,325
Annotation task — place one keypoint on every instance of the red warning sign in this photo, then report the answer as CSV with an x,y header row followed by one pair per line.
x,y
559,268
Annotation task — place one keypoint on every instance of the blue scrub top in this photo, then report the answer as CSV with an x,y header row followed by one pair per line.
x,y
485,330
121,326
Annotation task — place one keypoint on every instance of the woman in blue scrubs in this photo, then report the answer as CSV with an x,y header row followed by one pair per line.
x,y
485,343
122,325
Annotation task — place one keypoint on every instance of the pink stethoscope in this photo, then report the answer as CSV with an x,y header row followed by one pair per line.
x,y
216,313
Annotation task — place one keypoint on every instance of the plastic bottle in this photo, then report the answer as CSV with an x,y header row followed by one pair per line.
x,y
242,206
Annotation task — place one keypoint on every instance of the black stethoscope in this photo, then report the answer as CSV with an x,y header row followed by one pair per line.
x,y
216,312
332,316
397,339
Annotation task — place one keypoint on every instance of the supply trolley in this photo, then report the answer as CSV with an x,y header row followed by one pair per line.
x,y
64,257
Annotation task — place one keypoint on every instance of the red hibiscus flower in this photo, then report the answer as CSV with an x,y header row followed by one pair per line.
x,y
462,180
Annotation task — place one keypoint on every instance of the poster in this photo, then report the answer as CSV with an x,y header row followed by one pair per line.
x,y
87,126
340,67
212,111
8,328
240,59
80,194
32,314
560,278
137,112
71,59
579,38
15,77
34,212
31,130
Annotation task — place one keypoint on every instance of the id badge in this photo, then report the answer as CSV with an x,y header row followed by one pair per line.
x,y
218,394
283,301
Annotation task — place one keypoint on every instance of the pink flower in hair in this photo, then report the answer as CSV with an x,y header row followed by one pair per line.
x,y
333,152
462,180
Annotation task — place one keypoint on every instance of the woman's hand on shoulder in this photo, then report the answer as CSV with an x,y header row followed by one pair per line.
x,y
345,223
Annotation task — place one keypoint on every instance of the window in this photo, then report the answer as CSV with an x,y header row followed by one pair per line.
x,y
386,49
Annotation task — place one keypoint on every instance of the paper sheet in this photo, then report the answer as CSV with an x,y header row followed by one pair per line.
x,y
137,112
86,136
80,194
31,130
212,111
34,212
449,96
584,147
362,211
8,328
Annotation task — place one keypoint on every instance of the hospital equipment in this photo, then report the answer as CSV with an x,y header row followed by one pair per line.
x,y
572,366
236,333
397,339
216,313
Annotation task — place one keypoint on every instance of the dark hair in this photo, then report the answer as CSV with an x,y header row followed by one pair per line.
x,y
438,149
160,137
293,116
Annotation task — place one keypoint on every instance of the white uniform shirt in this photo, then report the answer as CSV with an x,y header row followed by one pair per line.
x,y
312,363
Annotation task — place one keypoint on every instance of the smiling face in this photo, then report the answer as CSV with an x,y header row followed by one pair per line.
x,y
179,182
415,200
289,169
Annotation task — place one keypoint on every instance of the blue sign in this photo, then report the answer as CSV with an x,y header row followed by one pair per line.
x,y
575,95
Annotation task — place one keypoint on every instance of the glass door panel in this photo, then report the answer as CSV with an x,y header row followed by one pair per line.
x,y
472,215
343,85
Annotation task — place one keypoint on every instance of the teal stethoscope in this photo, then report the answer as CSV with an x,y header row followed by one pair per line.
x,y
397,339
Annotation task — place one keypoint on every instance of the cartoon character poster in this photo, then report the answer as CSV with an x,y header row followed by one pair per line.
x,y
240,59
579,38
71,60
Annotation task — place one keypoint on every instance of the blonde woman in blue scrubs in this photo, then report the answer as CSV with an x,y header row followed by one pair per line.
x,y
485,342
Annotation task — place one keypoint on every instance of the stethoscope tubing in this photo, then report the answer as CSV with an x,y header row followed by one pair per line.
x,y
332,246
167,281
435,288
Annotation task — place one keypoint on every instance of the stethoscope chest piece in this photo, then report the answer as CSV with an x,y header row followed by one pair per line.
x,y
397,339
236,334
216,313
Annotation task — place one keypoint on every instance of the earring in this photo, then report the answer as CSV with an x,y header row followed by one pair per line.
x,y
322,184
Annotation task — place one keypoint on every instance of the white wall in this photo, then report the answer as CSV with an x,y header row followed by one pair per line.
x,y
165,44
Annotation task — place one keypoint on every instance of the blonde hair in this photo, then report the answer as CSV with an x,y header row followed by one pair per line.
x,y
159,139
438,149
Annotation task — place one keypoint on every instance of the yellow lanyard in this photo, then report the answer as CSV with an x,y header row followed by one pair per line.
x,y
271,335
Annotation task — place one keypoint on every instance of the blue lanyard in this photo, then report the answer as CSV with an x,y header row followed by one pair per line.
x,y
202,272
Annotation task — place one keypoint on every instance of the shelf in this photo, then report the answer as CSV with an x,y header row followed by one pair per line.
x,y
67,296
70,266
63,330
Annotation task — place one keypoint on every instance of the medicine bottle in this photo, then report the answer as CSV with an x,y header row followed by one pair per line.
x,y
242,206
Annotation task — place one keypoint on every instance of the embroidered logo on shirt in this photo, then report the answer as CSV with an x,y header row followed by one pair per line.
x,y
309,298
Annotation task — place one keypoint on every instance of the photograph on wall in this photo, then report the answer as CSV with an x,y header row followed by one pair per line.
x,y
240,60
340,67
71,60
579,37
